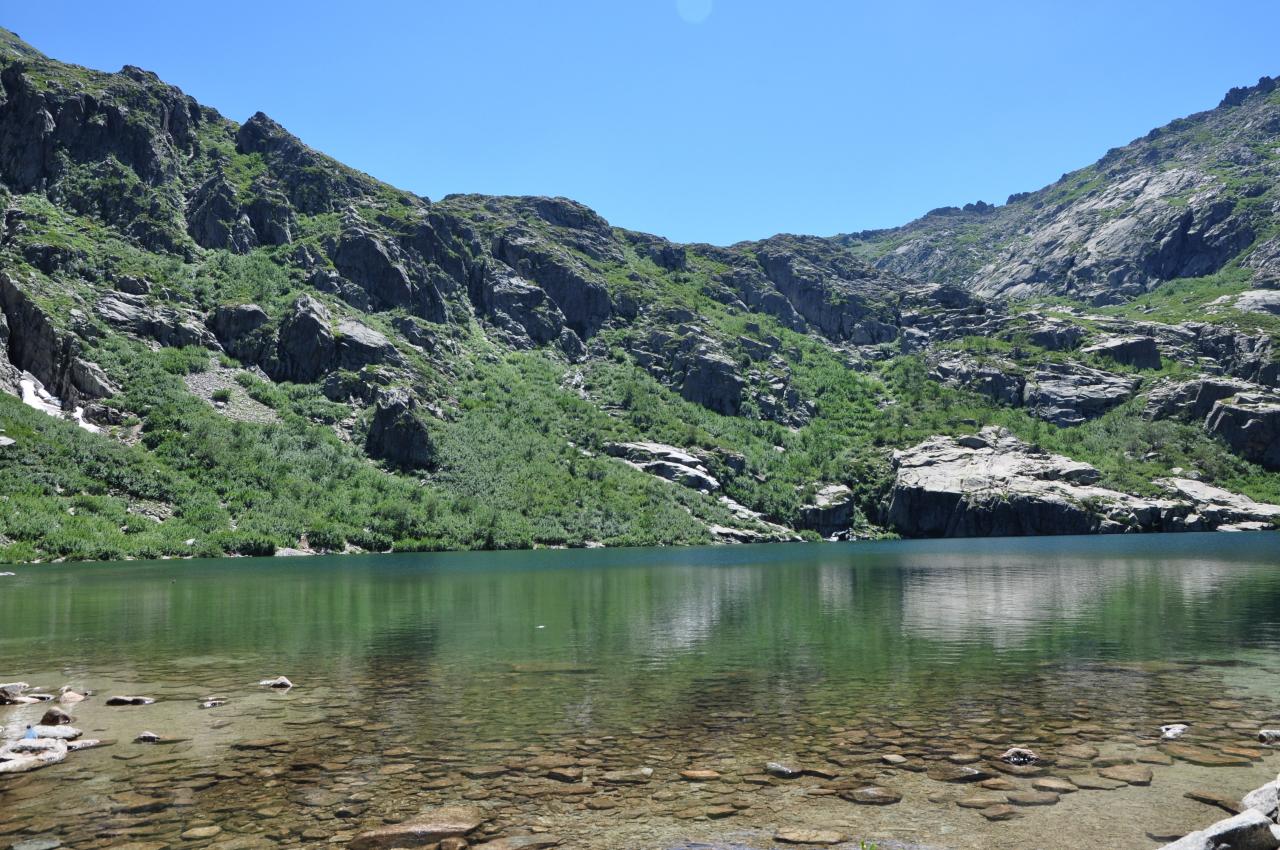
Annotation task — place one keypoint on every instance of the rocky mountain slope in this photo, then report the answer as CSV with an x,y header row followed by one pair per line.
x,y
222,341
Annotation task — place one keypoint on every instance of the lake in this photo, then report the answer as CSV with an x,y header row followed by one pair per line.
x,y
541,687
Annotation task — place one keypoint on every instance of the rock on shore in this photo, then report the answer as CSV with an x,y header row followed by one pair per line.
x,y
993,484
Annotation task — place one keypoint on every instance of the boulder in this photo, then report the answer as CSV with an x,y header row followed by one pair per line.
x,y
359,345
1068,394
397,433
1265,799
305,348
830,512
28,755
239,329
55,717
1249,830
1139,352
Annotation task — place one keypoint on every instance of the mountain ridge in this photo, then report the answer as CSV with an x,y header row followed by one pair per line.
x,y
261,350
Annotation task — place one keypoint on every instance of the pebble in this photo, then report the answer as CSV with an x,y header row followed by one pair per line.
x,y
872,795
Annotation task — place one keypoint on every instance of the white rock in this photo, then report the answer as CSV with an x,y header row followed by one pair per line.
x,y
1249,830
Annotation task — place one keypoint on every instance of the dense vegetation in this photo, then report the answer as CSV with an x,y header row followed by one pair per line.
x,y
203,452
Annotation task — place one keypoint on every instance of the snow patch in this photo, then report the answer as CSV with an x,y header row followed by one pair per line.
x,y
36,396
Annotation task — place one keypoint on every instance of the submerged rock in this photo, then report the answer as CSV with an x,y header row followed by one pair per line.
x,y
55,717
871,795
277,682
429,827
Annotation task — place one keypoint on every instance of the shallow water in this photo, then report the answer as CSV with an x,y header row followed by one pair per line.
x,y
445,679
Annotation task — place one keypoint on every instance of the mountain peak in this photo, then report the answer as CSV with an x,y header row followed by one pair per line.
x,y
1238,95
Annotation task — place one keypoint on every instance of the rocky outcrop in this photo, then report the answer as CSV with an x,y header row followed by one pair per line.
x,y
999,381
1244,415
521,312
241,331
692,363
376,267
1250,424
1258,301
306,348
669,462
1069,394
1139,352
133,314
1216,508
397,433
842,298
1056,335
1192,400
32,343
582,299
312,182
992,484
711,379
214,219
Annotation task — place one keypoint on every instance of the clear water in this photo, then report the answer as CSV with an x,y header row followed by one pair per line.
x,y
418,675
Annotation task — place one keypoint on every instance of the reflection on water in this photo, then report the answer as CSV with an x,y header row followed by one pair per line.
x,y
728,656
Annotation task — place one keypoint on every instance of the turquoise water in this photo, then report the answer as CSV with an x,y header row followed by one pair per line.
x,y
672,658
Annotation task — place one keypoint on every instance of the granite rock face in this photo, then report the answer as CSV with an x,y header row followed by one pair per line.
x,y
1137,351
306,347
1250,424
992,484
669,462
830,512
1244,415
1069,394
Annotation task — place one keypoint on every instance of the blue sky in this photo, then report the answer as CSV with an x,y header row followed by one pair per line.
x,y
701,120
